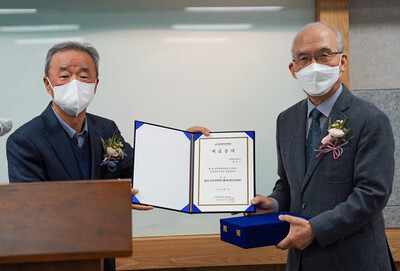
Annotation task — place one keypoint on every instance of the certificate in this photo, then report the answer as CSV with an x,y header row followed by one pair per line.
x,y
193,173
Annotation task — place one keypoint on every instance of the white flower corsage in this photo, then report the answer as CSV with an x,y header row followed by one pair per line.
x,y
336,138
113,152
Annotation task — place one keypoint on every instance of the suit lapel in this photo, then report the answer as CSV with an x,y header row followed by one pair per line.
x,y
58,140
96,149
298,138
337,113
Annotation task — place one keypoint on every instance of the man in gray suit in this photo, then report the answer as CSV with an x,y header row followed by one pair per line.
x,y
341,178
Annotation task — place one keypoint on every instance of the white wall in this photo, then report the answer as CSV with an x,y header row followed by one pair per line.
x,y
232,80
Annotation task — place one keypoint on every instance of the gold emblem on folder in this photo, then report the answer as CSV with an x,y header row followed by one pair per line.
x,y
238,233
225,228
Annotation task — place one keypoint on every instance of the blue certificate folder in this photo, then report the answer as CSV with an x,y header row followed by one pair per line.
x,y
255,231
192,173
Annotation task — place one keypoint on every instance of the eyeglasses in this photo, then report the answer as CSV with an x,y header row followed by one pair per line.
x,y
321,57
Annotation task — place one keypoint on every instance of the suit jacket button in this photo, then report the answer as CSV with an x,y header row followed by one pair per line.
x,y
303,206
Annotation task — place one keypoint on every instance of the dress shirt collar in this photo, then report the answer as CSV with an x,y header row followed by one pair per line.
x,y
71,132
326,106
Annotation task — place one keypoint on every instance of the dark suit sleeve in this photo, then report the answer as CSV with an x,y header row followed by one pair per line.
x,y
372,180
281,190
24,161
126,164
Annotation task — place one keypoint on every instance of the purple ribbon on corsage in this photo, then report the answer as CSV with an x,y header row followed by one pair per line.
x,y
111,163
337,151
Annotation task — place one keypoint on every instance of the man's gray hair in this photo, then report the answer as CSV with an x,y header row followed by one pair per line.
x,y
74,46
339,38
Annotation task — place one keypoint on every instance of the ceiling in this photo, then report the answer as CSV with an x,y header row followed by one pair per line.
x,y
147,14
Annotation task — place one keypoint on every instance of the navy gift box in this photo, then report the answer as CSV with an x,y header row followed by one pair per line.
x,y
255,231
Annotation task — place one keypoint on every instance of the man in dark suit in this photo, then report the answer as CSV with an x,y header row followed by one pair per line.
x,y
65,142
341,179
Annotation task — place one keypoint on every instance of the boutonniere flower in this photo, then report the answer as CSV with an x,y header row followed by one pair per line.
x,y
113,152
336,138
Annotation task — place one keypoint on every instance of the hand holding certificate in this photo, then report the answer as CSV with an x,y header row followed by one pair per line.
x,y
191,172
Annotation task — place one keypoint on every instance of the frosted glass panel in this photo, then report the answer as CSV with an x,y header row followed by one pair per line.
x,y
235,78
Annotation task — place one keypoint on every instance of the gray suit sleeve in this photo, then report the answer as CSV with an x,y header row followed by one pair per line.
x,y
372,179
281,192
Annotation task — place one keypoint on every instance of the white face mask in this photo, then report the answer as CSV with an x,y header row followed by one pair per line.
x,y
73,97
317,79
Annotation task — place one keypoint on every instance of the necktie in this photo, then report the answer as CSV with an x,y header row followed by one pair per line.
x,y
313,134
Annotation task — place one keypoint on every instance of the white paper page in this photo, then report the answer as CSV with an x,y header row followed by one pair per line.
x,y
162,167
224,172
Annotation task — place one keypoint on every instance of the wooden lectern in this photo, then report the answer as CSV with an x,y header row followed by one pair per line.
x,y
64,225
